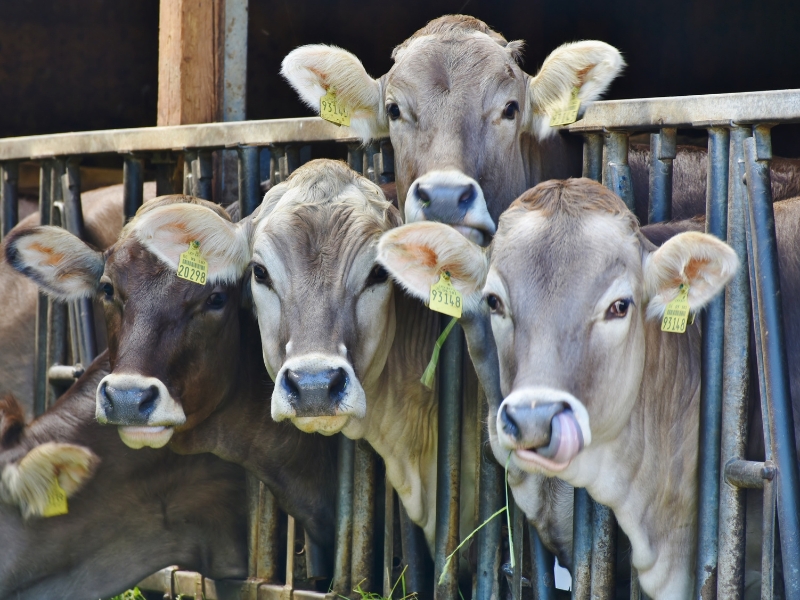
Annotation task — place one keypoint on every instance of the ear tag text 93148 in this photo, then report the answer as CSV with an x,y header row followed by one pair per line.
x,y
445,298
56,500
332,110
192,266
567,115
676,315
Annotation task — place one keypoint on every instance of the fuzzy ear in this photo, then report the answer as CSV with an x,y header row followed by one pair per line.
x,y
168,230
699,260
26,483
312,70
62,265
590,66
417,254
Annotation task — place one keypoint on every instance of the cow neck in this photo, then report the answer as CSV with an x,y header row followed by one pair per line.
x,y
648,475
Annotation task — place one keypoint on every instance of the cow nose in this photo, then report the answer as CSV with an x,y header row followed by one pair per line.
x,y
128,406
315,394
530,426
447,196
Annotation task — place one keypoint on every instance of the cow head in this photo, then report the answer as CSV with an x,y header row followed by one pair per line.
x,y
325,308
466,122
169,338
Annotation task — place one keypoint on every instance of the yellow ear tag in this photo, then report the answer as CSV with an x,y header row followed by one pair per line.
x,y
445,298
192,266
567,115
56,500
332,110
676,314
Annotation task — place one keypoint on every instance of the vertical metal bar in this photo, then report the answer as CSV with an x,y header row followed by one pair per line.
x,y
355,157
58,317
165,164
364,496
369,161
249,184
277,154
617,172
269,538
189,156
10,209
636,589
386,174
291,533
582,545
344,517
713,328
388,539
770,324
448,461
735,381
662,151
202,174
415,551
491,482
132,186
518,527
768,540
253,485
593,156
40,365
543,562
316,564
604,551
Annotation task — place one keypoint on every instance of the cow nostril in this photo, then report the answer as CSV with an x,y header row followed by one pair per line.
x,y
468,195
510,426
424,195
107,404
148,400
290,383
338,385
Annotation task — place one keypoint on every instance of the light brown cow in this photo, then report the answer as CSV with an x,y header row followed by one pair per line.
x,y
595,392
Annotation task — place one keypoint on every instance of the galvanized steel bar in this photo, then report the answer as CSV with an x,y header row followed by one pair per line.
x,y
582,545
768,540
749,473
518,528
604,551
370,150
491,482
355,157
9,195
268,527
388,538
202,174
386,173
713,327
616,171
735,380
364,496
165,164
770,323
593,156
663,148
543,562
276,154
40,364
249,180
289,161
344,517
415,551
132,186
316,564
58,312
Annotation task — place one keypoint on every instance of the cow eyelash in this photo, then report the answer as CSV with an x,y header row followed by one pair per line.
x,y
495,304
393,110
619,308
377,276
261,275
511,109
108,291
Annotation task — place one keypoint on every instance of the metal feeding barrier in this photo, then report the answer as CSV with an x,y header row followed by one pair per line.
x,y
739,210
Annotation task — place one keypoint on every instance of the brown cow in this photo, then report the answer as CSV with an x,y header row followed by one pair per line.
x,y
186,358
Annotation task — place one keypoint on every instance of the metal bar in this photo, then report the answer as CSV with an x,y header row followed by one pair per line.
x,y
291,532
748,473
132,186
355,157
713,328
316,564
386,173
663,148
543,562
364,491
165,164
770,323
490,486
593,156
448,462
604,551
768,540
249,180
189,156
415,551
42,303
518,527
269,537
276,154
388,539
735,381
344,517
369,161
617,172
10,189
58,312
202,174
582,545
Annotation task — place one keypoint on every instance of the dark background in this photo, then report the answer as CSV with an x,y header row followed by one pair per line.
x,y
69,65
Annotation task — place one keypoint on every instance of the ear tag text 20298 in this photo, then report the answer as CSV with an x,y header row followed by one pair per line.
x,y
567,115
445,298
332,110
56,500
676,315
192,266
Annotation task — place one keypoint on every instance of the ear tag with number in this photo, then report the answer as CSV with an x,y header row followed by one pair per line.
x,y
56,500
332,110
676,315
192,266
567,115
445,298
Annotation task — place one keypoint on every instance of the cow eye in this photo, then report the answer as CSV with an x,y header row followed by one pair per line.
x,y
261,275
510,111
377,276
495,304
619,309
216,300
393,111
108,291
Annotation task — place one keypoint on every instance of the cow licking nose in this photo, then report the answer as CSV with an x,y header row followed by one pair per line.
x,y
453,198
315,393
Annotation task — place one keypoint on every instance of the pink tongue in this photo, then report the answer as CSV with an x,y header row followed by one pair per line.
x,y
571,439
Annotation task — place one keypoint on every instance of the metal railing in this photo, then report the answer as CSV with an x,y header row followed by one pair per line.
x,y
738,127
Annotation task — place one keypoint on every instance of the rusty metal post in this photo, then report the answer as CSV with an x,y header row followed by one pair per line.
x,y
490,486
518,528
543,562
662,152
582,545
344,517
735,381
604,551
415,552
388,538
10,188
364,496
132,185
617,172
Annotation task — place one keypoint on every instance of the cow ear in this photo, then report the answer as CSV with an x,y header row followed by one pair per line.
x,y
60,263
168,231
698,260
590,66
312,70
417,254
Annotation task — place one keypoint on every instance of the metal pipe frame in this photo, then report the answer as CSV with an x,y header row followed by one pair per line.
x,y
616,171
40,363
249,180
490,488
364,496
582,545
132,186
344,516
542,561
663,148
9,196
604,552
202,175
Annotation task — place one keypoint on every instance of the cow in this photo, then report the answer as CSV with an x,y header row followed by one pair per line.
x,y
594,392
471,130
186,366
129,513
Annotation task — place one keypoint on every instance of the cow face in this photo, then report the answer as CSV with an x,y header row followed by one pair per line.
x,y
465,121
169,338
325,308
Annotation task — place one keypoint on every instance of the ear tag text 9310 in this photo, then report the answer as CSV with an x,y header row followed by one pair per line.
x,y
445,298
332,110
192,266
676,315
567,115
56,500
